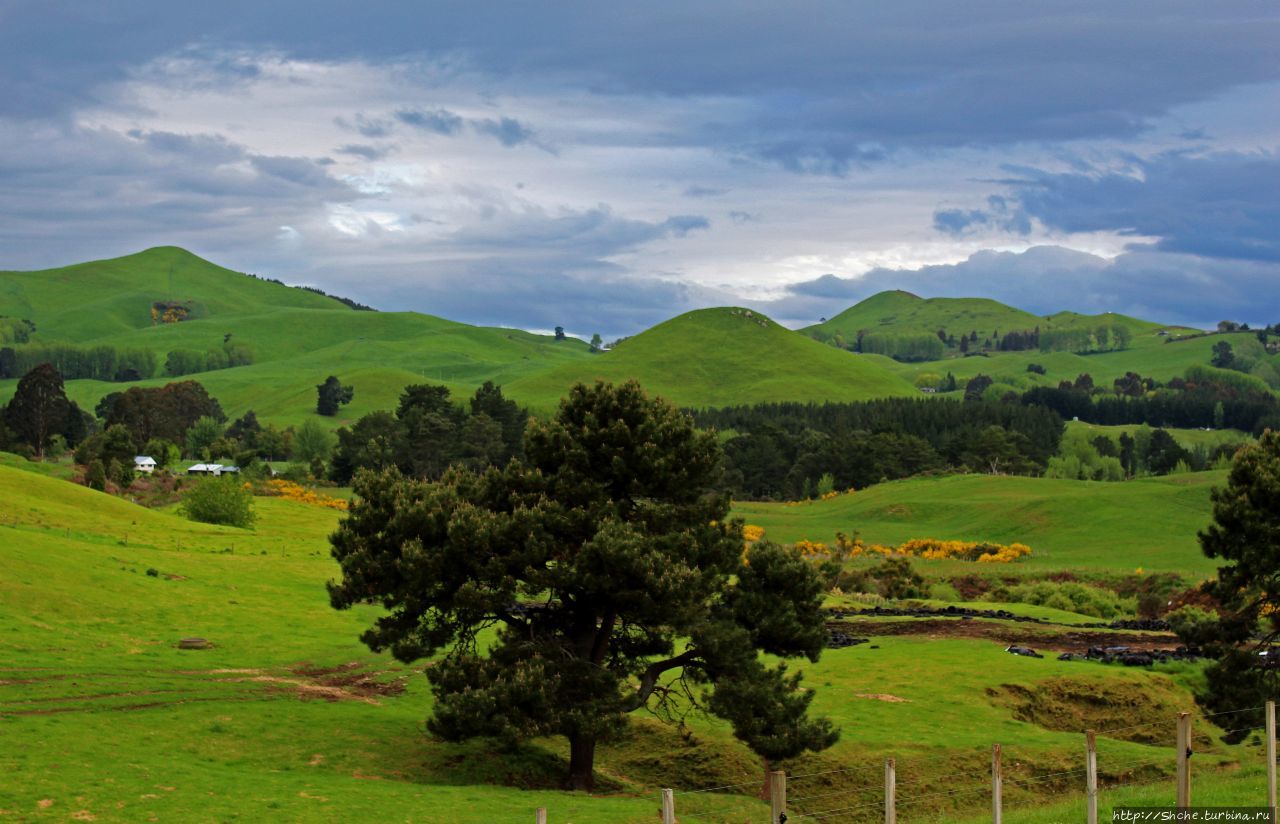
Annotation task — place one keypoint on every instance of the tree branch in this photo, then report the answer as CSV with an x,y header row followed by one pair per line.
x,y
649,678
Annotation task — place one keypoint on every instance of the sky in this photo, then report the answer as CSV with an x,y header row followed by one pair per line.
x,y
604,167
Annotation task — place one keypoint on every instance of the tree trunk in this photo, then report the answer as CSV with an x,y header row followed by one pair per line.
x,y
582,758
766,792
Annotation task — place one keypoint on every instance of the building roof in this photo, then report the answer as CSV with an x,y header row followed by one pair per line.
x,y
143,459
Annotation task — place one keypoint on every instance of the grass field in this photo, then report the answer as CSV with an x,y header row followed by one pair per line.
x,y
1078,525
289,717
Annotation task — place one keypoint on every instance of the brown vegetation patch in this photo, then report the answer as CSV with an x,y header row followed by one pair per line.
x,y
882,696
1138,711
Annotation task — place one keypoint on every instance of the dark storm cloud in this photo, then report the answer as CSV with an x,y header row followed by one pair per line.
x,y
833,84
1220,205
1160,286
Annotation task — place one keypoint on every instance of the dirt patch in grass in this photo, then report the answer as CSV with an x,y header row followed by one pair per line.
x,y
1138,711
1038,637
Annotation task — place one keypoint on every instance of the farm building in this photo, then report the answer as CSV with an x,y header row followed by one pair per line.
x,y
144,464
213,469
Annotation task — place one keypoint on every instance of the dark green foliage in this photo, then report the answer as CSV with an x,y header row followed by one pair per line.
x,y
903,347
605,562
220,500
331,394
784,446
429,433
1245,533
165,412
96,476
976,386
103,363
39,408
1223,357
1036,368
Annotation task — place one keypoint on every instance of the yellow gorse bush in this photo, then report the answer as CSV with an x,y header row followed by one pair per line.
x,y
279,488
982,552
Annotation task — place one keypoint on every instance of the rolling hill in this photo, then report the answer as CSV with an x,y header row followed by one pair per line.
x,y
721,357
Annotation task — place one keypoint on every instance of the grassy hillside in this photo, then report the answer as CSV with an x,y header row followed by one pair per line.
x,y
88,301
288,717
297,337
720,357
1149,353
1078,525
905,312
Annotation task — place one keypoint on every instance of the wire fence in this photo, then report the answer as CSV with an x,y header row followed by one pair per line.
x,y
1109,762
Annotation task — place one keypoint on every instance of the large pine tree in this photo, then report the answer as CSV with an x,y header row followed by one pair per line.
x,y
606,566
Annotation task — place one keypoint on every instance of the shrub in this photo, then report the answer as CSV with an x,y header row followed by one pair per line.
x,y
1190,621
1068,596
220,501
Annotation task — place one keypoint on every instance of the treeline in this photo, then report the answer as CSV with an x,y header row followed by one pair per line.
x,y
902,347
1205,398
359,307
427,433
792,451
181,362
908,346
102,363
1083,340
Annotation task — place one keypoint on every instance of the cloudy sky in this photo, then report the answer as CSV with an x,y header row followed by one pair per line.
x,y
605,166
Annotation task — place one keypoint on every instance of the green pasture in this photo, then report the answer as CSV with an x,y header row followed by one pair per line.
x,y
1087,526
289,717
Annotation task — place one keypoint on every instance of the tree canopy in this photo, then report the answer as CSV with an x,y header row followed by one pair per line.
x,y
605,565
1246,534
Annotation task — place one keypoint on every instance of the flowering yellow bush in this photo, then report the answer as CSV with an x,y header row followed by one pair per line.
x,y
279,488
931,548
752,533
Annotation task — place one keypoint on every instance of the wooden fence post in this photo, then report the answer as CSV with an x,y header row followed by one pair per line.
x,y
541,816
890,791
1184,766
997,785
668,807
1091,776
778,795
1271,756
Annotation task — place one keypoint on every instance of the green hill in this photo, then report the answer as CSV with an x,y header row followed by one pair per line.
x,y
88,301
296,337
1077,525
903,312
720,357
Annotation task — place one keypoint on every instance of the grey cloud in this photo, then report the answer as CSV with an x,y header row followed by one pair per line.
x,y
1219,205
833,84
364,150
373,127
1160,286
743,217
78,194
704,191
440,121
508,131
